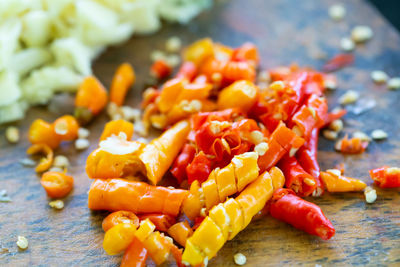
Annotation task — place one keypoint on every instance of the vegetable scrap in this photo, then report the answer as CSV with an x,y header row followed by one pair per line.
x,y
233,151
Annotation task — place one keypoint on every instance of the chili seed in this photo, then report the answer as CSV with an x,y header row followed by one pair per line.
x,y
239,259
173,44
330,135
379,134
57,204
81,144
370,194
379,76
61,161
12,134
83,133
346,44
349,97
22,242
394,83
337,12
361,34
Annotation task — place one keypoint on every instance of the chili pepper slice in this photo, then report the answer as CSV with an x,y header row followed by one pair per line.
x,y
303,215
135,255
386,177
180,232
45,163
351,146
162,221
66,127
338,62
118,238
41,132
57,184
160,69
117,217
115,127
199,169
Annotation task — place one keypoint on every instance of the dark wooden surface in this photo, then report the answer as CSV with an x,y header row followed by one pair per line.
x,y
285,31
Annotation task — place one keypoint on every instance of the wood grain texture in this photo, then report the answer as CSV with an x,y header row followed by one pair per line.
x,y
285,31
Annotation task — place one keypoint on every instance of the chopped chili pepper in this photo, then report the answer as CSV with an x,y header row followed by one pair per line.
x,y
90,99
160,69
57,184
66,127
386,177
199,169
199,51
115,127
240,94
118,238
180,232
186,156
158,247
188,70
138,197
351,146
135,255
296,177
118,217
303,215
246,52
338,62
45,163
162,221
123,79
41,132
335,183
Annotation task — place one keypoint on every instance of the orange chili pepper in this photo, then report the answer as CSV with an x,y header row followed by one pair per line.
x,y
161,221
193,91
45,163
66,127
41,132
159,154
180,232
135,255
115,127
145,229
57,184
351,146
138,197
115,158
118,217
240,94
118,238
149,96
246,52
90,99
334,183
235,71
194,202
123,79
171,89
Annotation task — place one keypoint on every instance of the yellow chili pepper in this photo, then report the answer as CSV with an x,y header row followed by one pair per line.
x,y
340,183
118,238
145,229
115,127
180,232
277,176
240,94
226,220
199,51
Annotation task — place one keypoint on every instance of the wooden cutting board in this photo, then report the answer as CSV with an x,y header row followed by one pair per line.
x,y
285,32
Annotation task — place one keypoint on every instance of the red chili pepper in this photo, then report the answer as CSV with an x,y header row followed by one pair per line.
x,y
199,169
303,215
307,157
386,177
188,70
246,52
162,221
335,115
337,62
186,156
296,177
160,69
